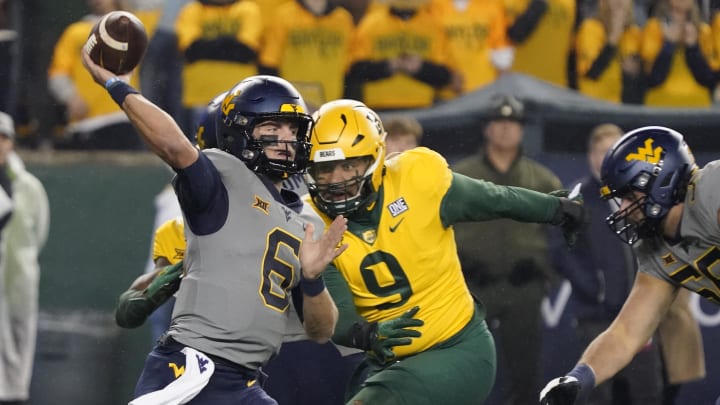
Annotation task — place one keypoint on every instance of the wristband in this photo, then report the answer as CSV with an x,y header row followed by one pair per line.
x,y
119,90
585,376
312,286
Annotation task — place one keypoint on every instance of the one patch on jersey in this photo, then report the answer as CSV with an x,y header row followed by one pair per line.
x,y
668,259
262,205
369,236
397,207
179,254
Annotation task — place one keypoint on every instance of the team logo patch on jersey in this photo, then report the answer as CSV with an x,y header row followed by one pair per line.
x,y
646,153
288,214
397,207
668,259
262,205
369,236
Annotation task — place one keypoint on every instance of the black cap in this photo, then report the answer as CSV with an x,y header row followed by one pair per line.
x,y
507,107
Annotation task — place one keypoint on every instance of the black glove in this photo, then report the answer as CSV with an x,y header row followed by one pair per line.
x,y
571,215
379,338
560,391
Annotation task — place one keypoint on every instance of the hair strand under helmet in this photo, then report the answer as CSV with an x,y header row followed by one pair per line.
x,y
252,101
346,129
653,160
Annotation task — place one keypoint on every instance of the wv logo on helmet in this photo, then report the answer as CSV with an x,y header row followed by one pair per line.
x,y
646,153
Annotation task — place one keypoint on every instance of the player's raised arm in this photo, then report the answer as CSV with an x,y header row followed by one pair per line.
x,y
157,128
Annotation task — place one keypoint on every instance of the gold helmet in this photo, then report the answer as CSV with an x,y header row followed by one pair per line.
x,y
345,131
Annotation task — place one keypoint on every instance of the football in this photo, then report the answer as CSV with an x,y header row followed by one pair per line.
x,y
117,42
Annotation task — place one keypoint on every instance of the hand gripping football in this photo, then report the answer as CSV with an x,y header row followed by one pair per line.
x,y
117,42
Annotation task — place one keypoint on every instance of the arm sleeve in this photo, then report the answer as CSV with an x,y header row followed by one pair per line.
x,y
202,196
348,316
470,199
433,74
601,63
364,71
699,66
525,24
661,66
133,309
220,49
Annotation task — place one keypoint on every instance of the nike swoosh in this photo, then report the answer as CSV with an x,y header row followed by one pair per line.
x,y
393,228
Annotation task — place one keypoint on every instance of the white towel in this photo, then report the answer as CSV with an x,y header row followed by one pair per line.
x,y
198,370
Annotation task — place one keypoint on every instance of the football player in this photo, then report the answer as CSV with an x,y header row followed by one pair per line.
x,y
303,373
673,208
399,285
247,245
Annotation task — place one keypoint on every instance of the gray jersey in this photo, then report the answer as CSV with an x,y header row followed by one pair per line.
x,y
295,330
694,262
234,301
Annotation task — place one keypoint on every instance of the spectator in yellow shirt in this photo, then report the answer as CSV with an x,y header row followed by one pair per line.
x,y
219,41
608,53
400,57
476,30
308,44
93,120
542,32
677,50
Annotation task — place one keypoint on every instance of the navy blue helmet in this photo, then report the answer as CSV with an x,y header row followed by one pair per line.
x,y
206,132
252,101
655,161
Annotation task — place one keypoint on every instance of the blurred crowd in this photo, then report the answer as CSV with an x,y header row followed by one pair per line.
x,y
412,54
391,54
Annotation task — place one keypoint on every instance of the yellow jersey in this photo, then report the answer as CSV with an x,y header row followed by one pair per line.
x,y
680,89
66,62
409,258
169,241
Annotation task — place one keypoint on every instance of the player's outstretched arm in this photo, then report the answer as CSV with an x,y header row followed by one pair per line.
x,y
319,311
613,349
158,129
